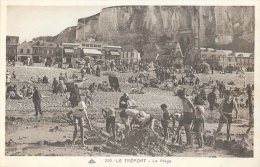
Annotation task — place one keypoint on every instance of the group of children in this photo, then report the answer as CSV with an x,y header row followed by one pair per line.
x,y
192,119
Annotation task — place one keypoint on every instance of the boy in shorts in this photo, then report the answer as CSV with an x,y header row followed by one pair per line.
x,y
226,107
165,121
110,116
198,125
78,113
188,115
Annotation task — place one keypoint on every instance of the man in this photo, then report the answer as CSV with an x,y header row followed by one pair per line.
x,y
78,113
110,116
125,116
37,101
188,115
123,101
221,89
55,86
197,81
212,98
226,107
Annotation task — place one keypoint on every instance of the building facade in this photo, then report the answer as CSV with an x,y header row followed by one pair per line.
x,y
245,60
130,54
112,52
11,47
43,50
24,51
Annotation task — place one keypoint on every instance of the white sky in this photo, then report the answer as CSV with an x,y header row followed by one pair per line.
x,y
28,22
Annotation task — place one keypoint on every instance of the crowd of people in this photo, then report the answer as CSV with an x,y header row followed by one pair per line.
x,y
191,117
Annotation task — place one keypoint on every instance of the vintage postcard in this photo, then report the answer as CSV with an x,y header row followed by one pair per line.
x,y
129,83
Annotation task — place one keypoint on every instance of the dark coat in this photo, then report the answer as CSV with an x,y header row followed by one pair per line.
x,y
113,81
36,96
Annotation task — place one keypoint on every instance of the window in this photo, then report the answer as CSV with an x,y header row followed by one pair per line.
x,y
50,51
45,51
28,50
21,50
87,45
99,46
14,50
229,59
91,45
83,45
95,46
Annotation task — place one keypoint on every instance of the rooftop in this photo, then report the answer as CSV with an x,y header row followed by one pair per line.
x,y
43,44
12,40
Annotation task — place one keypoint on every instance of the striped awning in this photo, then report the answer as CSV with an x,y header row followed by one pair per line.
x,y
114,53
69,50
92,51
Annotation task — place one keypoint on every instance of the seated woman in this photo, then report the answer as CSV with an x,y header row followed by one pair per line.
x,y
105,86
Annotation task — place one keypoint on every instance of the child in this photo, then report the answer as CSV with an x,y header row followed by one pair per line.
x,y
110,116
78,113
198,125
165,121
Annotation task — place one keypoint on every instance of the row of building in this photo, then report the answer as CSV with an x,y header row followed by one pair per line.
x,y
168,53
222,58
67,52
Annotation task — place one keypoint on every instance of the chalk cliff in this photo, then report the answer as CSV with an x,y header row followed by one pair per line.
x,y
205,26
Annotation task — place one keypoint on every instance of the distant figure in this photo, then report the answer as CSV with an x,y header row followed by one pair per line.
x,y
55,86
212,98
98,71
37,101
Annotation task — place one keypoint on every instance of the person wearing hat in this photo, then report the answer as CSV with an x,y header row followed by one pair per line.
x,y
123,101
37,100
110,116
188,115
226,107
212,99
78,114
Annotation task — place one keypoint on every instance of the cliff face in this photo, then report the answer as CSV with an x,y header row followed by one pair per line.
x,y
220,27
67,35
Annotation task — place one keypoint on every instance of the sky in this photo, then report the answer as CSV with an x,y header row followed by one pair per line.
x,y
28,22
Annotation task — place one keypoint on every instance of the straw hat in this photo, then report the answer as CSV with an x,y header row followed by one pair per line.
x,y
81,105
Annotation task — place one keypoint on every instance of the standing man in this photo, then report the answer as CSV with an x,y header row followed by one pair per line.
x,y
188,115
37,101
212,98
226,107
220,88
